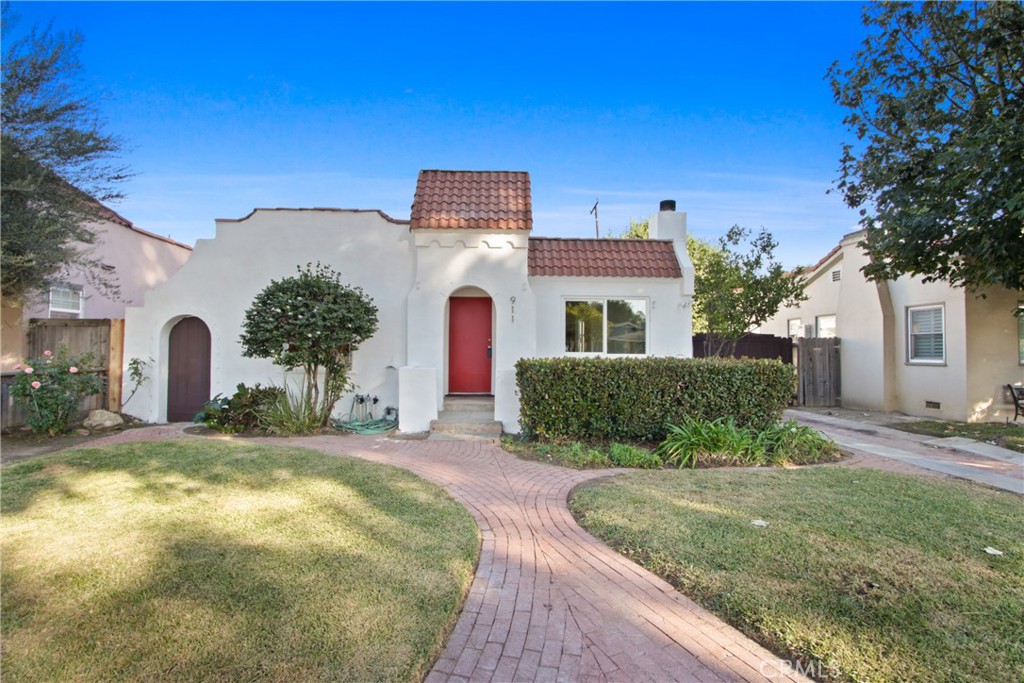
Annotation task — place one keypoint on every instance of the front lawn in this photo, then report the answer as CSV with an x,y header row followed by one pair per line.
x,y
877,576
224,561
1006,435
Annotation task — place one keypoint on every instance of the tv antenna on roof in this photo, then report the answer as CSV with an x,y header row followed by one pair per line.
x,y
597,226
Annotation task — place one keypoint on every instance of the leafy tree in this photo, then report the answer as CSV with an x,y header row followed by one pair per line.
x,y
935,98
55,166
735,291
312,321
637,230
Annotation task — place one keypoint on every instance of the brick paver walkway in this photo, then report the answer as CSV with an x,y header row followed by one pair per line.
x,y
550,602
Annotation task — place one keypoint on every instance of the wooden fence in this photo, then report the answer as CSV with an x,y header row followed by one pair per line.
x,y
752,346
818,363
104,339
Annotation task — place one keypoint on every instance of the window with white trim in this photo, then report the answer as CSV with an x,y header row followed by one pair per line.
x,y
606,326
825,326
65,301
926,334
795,328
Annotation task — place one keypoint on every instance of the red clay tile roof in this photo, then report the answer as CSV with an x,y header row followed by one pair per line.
x,y
484,200
602,258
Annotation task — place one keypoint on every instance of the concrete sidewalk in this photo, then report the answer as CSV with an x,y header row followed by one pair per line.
x,y
954,456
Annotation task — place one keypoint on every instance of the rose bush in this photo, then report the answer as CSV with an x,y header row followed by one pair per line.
x,y
50,389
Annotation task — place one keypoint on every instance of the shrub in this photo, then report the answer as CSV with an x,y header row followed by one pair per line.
x,y
722,442
637,398
563,453
242,412
710,442
797,444
623,455
581,456
289,414
50,389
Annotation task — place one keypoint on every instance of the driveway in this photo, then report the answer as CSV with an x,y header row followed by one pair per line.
x,y
888,448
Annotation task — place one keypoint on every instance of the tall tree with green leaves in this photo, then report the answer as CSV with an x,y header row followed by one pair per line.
x,y
56,165
935,99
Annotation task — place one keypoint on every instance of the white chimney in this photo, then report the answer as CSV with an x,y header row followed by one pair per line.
x,y
669,224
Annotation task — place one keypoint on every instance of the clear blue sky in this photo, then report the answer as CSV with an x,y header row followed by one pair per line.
x,y
230,106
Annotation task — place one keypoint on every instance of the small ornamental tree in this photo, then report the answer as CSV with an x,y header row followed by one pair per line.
x,y
311,321
735,292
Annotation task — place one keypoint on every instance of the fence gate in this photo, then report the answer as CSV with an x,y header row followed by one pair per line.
x,y
104,339
818,365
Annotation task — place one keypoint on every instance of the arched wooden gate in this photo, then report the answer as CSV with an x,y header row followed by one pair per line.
x,y
188,369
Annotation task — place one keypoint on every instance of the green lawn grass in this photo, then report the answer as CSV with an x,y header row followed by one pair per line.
x,y
1006,435
876,576
224,561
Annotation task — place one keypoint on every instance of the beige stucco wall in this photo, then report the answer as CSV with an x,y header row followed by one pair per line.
x,y
822,299
980,337
916,383
992,354
860,327
137,261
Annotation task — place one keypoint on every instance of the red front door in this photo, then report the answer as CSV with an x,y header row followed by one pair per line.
x,y
469,345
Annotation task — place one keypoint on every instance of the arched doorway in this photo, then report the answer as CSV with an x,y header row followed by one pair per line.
x,y
188,369
470,347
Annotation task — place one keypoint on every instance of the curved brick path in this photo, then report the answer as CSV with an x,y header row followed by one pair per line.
x,y
549,601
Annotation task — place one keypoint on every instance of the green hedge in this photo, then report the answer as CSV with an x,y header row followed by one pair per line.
x,y
630,398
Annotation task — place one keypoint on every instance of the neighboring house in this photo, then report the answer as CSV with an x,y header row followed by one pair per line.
x,y
463,291
924,349
135,259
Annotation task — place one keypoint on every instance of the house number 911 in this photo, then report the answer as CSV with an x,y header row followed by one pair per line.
x,y
513,300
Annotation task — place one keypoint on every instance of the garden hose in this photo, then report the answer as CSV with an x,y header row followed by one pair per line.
x,y
375,426
361,420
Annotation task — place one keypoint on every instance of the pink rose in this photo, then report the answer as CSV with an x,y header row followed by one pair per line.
x,y
36,385
73,370
29,371
47,353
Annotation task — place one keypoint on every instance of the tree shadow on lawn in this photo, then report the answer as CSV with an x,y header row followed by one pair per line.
x,y
238,563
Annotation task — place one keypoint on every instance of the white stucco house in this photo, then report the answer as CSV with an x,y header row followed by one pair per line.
x,y
924,349
463,290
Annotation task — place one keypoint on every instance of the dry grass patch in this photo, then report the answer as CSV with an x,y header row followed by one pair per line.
x,y
225,561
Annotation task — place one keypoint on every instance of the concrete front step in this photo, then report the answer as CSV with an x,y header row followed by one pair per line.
x,y
467,416
481,404
441,436
445,424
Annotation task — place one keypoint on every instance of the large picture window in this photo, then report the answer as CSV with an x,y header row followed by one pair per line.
x,y
606,326
926,335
